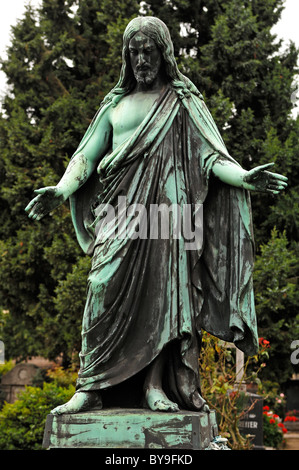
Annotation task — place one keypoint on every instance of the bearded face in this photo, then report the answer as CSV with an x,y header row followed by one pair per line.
x,y
145,58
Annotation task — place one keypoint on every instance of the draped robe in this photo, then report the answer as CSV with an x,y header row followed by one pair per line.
x,y
146,295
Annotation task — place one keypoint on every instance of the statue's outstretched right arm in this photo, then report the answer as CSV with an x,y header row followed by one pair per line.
x,y
76,174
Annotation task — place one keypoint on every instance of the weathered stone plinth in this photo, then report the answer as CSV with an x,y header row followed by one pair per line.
x,y
130,429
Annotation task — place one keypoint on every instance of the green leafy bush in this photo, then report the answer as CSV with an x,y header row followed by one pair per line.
x,y
273,397
273,430
22,423
6,367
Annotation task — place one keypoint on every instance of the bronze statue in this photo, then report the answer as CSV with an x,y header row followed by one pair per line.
x,y
153,142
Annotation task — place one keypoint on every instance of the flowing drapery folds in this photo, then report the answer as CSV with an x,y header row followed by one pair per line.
x,y
147,293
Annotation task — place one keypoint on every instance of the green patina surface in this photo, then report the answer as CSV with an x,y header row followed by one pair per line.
x,y
118,428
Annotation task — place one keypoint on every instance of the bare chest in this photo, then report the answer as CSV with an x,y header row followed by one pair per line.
x,y
130,112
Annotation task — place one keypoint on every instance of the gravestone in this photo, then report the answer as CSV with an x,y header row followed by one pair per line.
x,y
292,395
252,421
14,381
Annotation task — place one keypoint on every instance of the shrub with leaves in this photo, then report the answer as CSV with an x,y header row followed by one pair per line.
x,y
273,429
22,423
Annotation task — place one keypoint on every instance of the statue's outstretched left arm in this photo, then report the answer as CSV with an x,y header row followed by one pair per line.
x,y
257,179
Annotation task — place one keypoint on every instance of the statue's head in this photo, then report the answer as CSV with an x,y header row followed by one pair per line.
x,y
157,32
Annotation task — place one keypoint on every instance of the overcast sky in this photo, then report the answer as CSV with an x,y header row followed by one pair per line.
x,y
12,10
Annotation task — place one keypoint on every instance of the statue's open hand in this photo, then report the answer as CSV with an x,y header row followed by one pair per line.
x,y
261,180
48,199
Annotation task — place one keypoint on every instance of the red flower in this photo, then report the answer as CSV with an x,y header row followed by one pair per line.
x,y
272,421
266,408
291,418
264,343
284,430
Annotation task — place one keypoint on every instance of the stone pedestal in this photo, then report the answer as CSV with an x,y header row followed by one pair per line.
x,y
131,429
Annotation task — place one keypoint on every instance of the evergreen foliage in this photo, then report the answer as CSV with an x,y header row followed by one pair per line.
x,y
62,61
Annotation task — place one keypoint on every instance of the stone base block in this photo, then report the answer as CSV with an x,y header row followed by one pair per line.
x,y
131,429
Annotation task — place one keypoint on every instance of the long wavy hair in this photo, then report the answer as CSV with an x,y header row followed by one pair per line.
x,y
155,29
